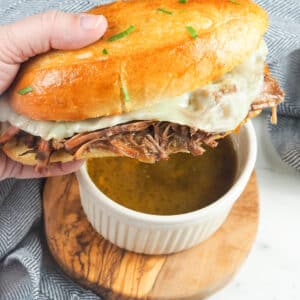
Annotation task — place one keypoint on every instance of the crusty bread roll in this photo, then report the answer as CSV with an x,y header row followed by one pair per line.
x,y
158,59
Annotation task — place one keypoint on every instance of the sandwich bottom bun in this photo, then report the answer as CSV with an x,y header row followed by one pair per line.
x,y
15,152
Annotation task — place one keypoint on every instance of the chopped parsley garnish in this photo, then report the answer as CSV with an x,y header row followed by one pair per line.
x,y
165,11
25,90
234,2
192,31
104,51
183,1
125,93
121,34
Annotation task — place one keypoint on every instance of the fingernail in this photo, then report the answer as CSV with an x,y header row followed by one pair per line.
x,y
89,22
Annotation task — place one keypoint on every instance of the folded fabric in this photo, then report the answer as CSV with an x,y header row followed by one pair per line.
x,y
283,39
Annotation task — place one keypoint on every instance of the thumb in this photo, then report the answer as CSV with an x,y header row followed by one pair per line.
x,y
53,29
40,33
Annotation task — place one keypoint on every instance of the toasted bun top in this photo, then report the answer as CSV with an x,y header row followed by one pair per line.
x,y
157,60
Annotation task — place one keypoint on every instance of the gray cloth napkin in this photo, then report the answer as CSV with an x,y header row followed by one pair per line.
x,y
283,39
26,269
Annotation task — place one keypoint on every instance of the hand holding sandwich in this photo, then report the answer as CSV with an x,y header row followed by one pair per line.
x,y
32,36
142,91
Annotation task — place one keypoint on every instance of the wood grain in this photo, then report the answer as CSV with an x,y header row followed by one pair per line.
x,y
114,273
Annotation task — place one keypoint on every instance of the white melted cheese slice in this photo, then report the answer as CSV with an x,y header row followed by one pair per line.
x,y
208,108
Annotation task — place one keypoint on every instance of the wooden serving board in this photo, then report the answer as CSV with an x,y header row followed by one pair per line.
x,y
114,273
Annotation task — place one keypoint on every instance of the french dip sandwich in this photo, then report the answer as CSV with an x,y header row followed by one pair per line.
x,y
168,76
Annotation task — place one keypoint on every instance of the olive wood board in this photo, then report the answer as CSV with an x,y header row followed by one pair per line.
x,y
114,273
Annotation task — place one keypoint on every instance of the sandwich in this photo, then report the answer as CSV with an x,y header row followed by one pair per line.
x,y
168,76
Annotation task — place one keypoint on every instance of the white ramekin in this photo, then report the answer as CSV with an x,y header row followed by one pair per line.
x,y
153,234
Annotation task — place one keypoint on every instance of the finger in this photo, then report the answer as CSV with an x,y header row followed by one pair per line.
x,y
55,169
12,169
40,33
58,169
51,30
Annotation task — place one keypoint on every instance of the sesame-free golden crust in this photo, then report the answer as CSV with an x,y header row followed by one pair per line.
x,y
159,59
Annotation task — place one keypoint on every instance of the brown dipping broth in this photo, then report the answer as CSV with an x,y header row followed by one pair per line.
x,y
182,184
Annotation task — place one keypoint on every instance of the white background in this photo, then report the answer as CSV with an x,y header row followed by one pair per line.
x,y
272,270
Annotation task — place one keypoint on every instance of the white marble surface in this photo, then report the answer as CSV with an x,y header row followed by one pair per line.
x,y
272,270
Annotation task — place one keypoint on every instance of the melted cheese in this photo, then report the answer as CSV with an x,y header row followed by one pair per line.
x,y
218,107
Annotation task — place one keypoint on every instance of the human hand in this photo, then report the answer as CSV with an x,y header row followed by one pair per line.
x,y
32,36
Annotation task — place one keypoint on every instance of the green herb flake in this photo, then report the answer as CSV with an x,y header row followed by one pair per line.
x,y
104,51
25,90
183,1
234,2
121,34
192,31
125,93
164,11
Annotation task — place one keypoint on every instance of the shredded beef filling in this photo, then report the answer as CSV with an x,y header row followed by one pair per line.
x,y
147,141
